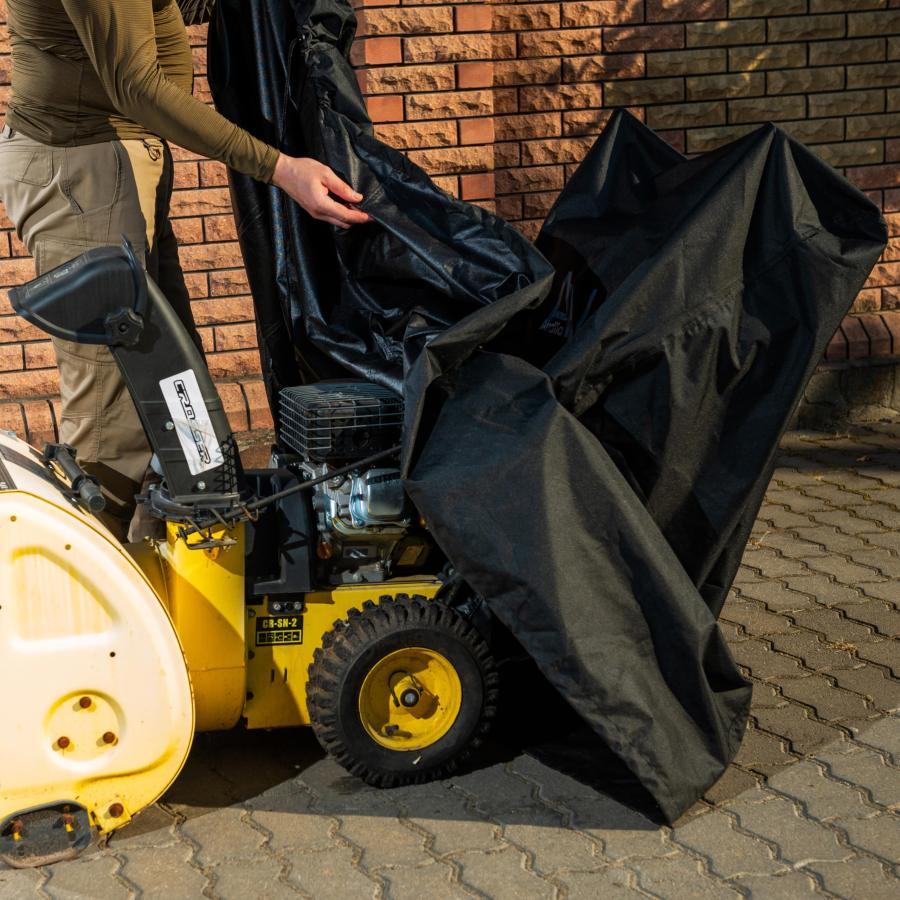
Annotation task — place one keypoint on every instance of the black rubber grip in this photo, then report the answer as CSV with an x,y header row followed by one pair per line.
x,y
91,496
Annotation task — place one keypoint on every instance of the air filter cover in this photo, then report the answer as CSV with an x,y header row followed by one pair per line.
x,y
339,421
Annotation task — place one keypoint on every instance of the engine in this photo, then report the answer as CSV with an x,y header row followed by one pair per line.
x,y
368,530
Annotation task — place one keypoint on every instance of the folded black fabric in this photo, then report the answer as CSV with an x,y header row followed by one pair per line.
x,y
591,453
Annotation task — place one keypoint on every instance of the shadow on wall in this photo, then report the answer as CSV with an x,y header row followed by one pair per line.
x,y
838,396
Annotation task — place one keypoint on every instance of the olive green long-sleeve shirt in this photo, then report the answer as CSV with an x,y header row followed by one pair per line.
x,y
85,71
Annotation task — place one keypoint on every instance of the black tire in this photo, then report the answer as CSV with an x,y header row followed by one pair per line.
x,y
355,645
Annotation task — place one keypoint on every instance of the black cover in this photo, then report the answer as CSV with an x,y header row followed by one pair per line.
x,y
590,459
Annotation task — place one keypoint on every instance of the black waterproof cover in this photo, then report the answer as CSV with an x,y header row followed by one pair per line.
x,y
590,455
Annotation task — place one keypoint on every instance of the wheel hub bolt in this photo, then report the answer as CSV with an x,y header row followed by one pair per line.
x,y
409,698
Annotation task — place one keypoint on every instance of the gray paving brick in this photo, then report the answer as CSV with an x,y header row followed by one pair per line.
x,y
830,703
733,783
223,834
842,571
610,884
889,540
768,561
763,752
784,886
815,653
680,876
847,521
830,539
881,514
765,663
798,838
795,725
94,877
754,617
885,736
883,601
445,816
782,518
165,873
502,873
297,830
16,884
886,653
825,591
384,841
236,880
729,852
765,696
879,835
884,561
621,832
329,873
859,877
880,689
432,880
823,797
835,627
867,770
553,848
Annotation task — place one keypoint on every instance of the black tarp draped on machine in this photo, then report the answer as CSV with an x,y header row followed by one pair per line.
x,y
591,453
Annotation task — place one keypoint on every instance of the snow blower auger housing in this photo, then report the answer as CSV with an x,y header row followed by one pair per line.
x,y
308,593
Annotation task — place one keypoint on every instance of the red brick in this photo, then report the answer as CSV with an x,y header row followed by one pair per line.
x,y
419,134
525,16
643,37
39,355
188,231
444,160
474,74
29,383
477,187
878,334
450,104
40,423
235,406
559,42
12,418
197,284
883,176
203,202
474,17
222,309
531,125
837,347
233,363
580,13
411,20
213,173
10,357
385,108
228,282
857,339
210,256
185,175
407,79
235,337
685,10
382,51
476,131
219,228
892,322
257,404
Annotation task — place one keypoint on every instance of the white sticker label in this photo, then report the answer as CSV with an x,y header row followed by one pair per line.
x,y
192,423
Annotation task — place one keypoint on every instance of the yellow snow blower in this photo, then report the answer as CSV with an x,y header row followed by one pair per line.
x,y
308,593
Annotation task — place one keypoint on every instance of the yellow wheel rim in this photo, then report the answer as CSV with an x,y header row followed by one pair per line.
x,y
410,699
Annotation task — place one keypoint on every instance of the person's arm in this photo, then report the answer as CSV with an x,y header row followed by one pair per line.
x,y
119,37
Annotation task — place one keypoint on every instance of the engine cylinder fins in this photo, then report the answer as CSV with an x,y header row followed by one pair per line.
x,y
44,834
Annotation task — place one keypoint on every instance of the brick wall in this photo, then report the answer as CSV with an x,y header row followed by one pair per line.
x,y
500,101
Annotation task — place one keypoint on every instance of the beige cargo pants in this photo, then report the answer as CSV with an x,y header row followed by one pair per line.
x,y
64,200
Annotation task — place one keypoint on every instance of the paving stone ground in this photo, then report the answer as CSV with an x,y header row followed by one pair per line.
x,y
809,807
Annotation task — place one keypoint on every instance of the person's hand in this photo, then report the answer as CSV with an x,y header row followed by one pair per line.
x,y
311,184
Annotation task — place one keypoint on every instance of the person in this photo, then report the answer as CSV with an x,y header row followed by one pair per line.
x,y
99,89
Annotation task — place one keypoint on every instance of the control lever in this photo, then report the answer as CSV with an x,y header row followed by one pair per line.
x,y
85,487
